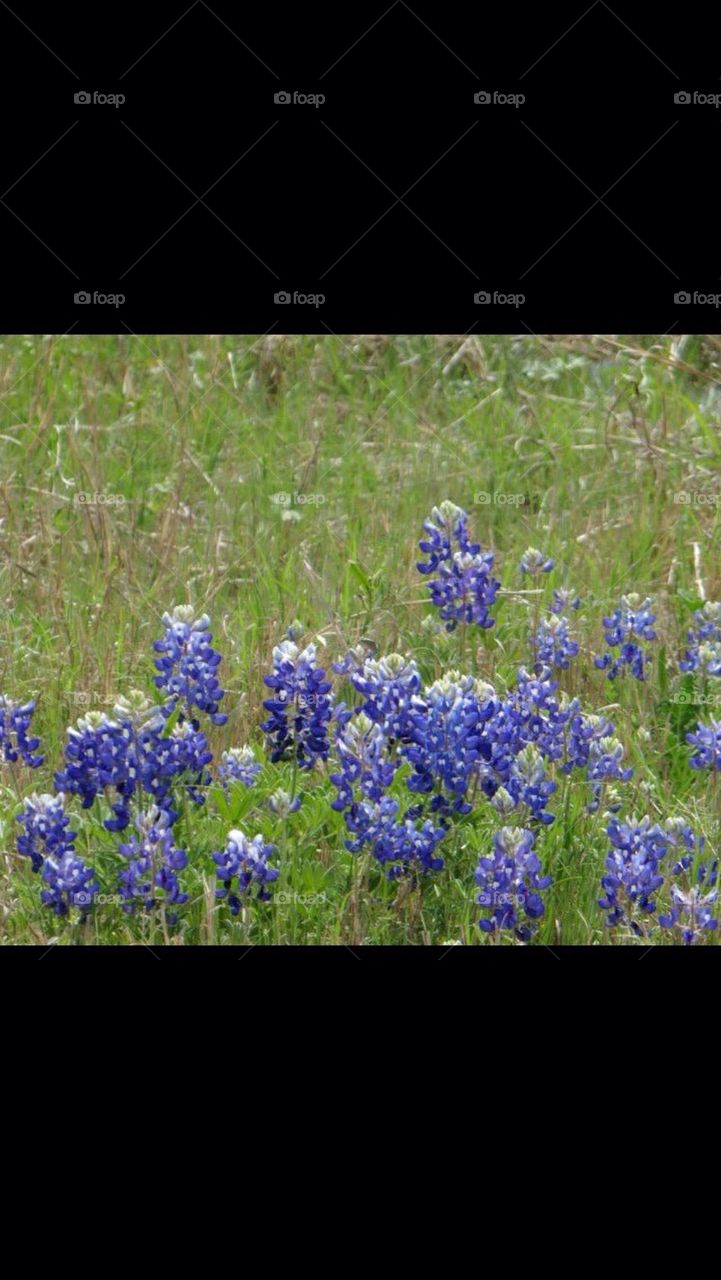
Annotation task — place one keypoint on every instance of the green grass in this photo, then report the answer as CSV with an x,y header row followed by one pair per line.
x,y
579,446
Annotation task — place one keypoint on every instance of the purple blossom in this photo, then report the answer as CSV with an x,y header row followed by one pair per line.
x,y
553,645
239,765
704,641
46,831
300,707
631,621
15,720
188,664
633,877
564,598
535,562
153,863
242,866
511,883
465,588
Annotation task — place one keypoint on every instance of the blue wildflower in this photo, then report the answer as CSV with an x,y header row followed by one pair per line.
x,y
401,846
362,750
283,804
445,743
630,622
242,865
704,641
534,562
465,589
70,883
15,720
388,686
46,829
153,863
564,598
707,743
511,883
239,765
300,707
189,665
552,643
633,875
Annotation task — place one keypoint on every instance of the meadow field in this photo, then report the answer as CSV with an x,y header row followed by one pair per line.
x,y
280,485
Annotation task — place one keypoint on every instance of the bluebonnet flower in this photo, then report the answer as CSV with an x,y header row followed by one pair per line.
x,y
583,731
692,909
243,865
239,765
389,686
153,863
132,752
295,630
46,829
552,643
465,588
707,743
15,719
704,641
527,783
534,562
353,661
400,845
605,757
680,836
445,726
300,707
630,622
362,750
70,883
189,665
633,876
511,883
283,804
564,598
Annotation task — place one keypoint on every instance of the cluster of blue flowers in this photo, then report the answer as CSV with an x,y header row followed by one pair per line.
x,y
706,742
300,708
15,721
465,588
630,622
239,764
242,866
511,883
704,641
635,875
553,644
188,665
153,864
132,753
49,844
